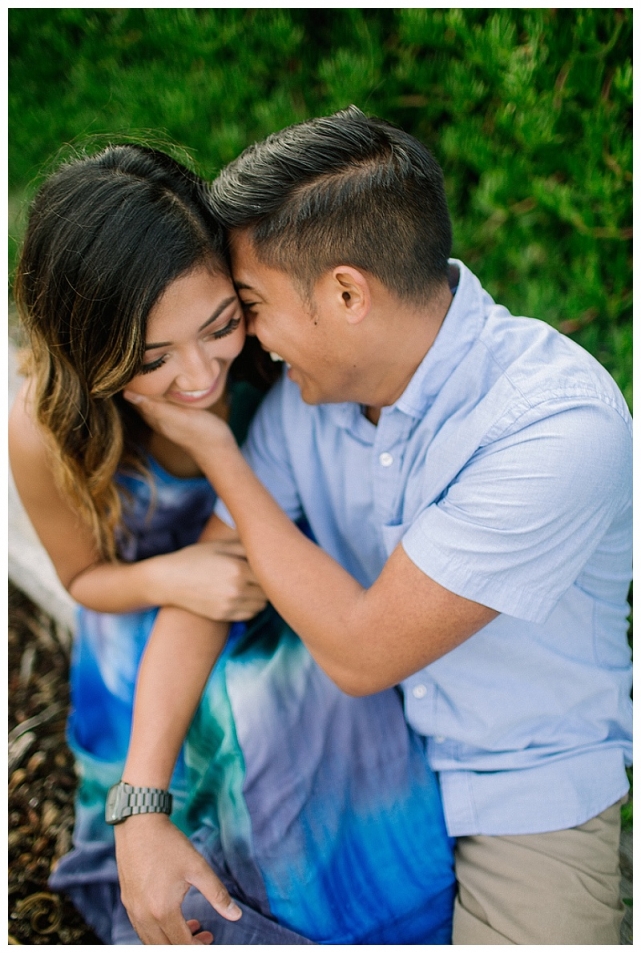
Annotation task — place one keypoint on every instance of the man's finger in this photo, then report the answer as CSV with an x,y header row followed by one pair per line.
x,y
133,398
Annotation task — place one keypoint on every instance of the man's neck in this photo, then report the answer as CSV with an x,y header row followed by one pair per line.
x,y
373,414
428,327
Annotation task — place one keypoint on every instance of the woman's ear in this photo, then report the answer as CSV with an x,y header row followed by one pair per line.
x,y
350,292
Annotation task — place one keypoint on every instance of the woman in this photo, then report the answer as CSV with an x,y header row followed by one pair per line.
x,y
123,282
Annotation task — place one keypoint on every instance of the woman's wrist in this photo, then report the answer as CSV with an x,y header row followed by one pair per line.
x,y
156,580
116,587
146,772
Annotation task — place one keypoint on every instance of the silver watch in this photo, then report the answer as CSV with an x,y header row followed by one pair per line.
x,y
124,799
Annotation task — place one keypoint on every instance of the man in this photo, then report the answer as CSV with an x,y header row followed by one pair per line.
x,y
467,477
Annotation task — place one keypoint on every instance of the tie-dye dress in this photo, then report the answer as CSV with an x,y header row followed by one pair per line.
x,y
317,810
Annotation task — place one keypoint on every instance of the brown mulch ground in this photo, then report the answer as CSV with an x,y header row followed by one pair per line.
x,y
41,779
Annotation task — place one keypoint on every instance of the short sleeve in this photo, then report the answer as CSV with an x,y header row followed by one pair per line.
x,y
266,451
517,525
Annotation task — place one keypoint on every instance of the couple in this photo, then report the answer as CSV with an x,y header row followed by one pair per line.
x,y
434,495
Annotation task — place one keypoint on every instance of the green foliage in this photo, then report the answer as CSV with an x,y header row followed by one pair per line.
x,y
527,110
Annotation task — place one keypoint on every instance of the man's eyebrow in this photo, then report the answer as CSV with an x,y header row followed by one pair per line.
x,y
217,313
242,287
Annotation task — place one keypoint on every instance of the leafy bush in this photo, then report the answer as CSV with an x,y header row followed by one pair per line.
x,y
528,111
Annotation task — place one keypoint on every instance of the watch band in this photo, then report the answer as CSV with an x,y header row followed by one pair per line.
x,y
124,800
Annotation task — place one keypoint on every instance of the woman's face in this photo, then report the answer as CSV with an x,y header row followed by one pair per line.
x,y
194,332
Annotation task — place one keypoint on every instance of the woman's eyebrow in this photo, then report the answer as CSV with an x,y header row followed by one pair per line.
x,y
217,313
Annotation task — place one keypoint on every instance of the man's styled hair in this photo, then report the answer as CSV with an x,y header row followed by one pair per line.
x,y
342,190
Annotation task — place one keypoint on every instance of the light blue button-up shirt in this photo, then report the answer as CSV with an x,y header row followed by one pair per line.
x,y
504,470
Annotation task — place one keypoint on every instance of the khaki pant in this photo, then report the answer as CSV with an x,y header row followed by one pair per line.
x,y
559,887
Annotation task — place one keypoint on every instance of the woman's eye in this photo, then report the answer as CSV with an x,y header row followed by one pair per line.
x,y
228,329
148,368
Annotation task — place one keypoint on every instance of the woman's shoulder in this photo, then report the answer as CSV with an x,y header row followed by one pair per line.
x,y
30,452
27,443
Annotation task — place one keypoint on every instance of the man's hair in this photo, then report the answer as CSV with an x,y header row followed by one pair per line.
x,y
342,190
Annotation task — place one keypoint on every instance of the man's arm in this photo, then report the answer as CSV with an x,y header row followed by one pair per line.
x,y
512,532
365,639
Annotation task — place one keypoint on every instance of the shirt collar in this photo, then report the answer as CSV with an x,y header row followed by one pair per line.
x,y
461,327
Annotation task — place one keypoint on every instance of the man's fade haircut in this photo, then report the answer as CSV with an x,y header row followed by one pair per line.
x,y
345,189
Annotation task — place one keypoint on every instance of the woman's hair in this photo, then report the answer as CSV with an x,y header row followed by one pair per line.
x,y
106,236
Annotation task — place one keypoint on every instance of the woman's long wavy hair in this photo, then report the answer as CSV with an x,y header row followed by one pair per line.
x,y
106,236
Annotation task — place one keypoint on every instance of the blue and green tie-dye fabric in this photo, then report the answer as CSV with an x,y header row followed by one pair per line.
x,y
318,810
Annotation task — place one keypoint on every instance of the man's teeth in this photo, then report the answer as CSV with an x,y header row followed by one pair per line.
x,y
275,357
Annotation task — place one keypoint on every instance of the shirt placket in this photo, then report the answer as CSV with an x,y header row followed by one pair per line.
x,y
392,433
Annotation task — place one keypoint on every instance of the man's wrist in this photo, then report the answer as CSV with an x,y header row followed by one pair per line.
x,y
215,452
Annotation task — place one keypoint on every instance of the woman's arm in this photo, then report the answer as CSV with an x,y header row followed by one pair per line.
x,y
212,579
156,863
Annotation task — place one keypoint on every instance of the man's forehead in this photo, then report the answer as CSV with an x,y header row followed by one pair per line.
x,y
244,261
250,273
241,244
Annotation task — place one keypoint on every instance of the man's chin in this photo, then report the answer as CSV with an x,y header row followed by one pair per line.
x,y
309,394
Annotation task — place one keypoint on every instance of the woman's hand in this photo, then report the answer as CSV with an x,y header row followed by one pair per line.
x,y
211,579
157,865
193,430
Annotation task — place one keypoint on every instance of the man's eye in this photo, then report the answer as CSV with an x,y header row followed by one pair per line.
x,y
148,368
248,305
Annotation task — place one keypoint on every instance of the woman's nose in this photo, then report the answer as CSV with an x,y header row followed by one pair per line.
x,y
197,371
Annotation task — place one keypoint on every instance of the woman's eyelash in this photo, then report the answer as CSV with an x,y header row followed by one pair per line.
x,y
147,368
228,329
217,335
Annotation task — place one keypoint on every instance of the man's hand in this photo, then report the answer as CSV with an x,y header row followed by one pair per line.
x,y
187,427
211,579
157,865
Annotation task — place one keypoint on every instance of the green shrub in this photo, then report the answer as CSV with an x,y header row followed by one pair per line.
x,y
528,111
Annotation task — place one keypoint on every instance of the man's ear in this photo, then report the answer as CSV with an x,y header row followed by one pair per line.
x,y
351,292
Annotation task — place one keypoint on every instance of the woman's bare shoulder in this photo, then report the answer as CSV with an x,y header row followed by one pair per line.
x,y
28,449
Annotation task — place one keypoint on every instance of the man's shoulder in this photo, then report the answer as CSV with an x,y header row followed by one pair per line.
x,y
540,365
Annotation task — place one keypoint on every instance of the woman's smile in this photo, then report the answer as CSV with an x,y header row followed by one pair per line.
x,y
194,396
194,332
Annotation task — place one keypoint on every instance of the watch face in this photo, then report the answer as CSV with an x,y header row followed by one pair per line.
x,y
111,815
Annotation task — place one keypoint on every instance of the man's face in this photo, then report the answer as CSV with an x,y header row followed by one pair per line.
x,y
310,338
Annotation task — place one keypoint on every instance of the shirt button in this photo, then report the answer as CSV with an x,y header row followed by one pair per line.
x,y
386,459
439,739
419,691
